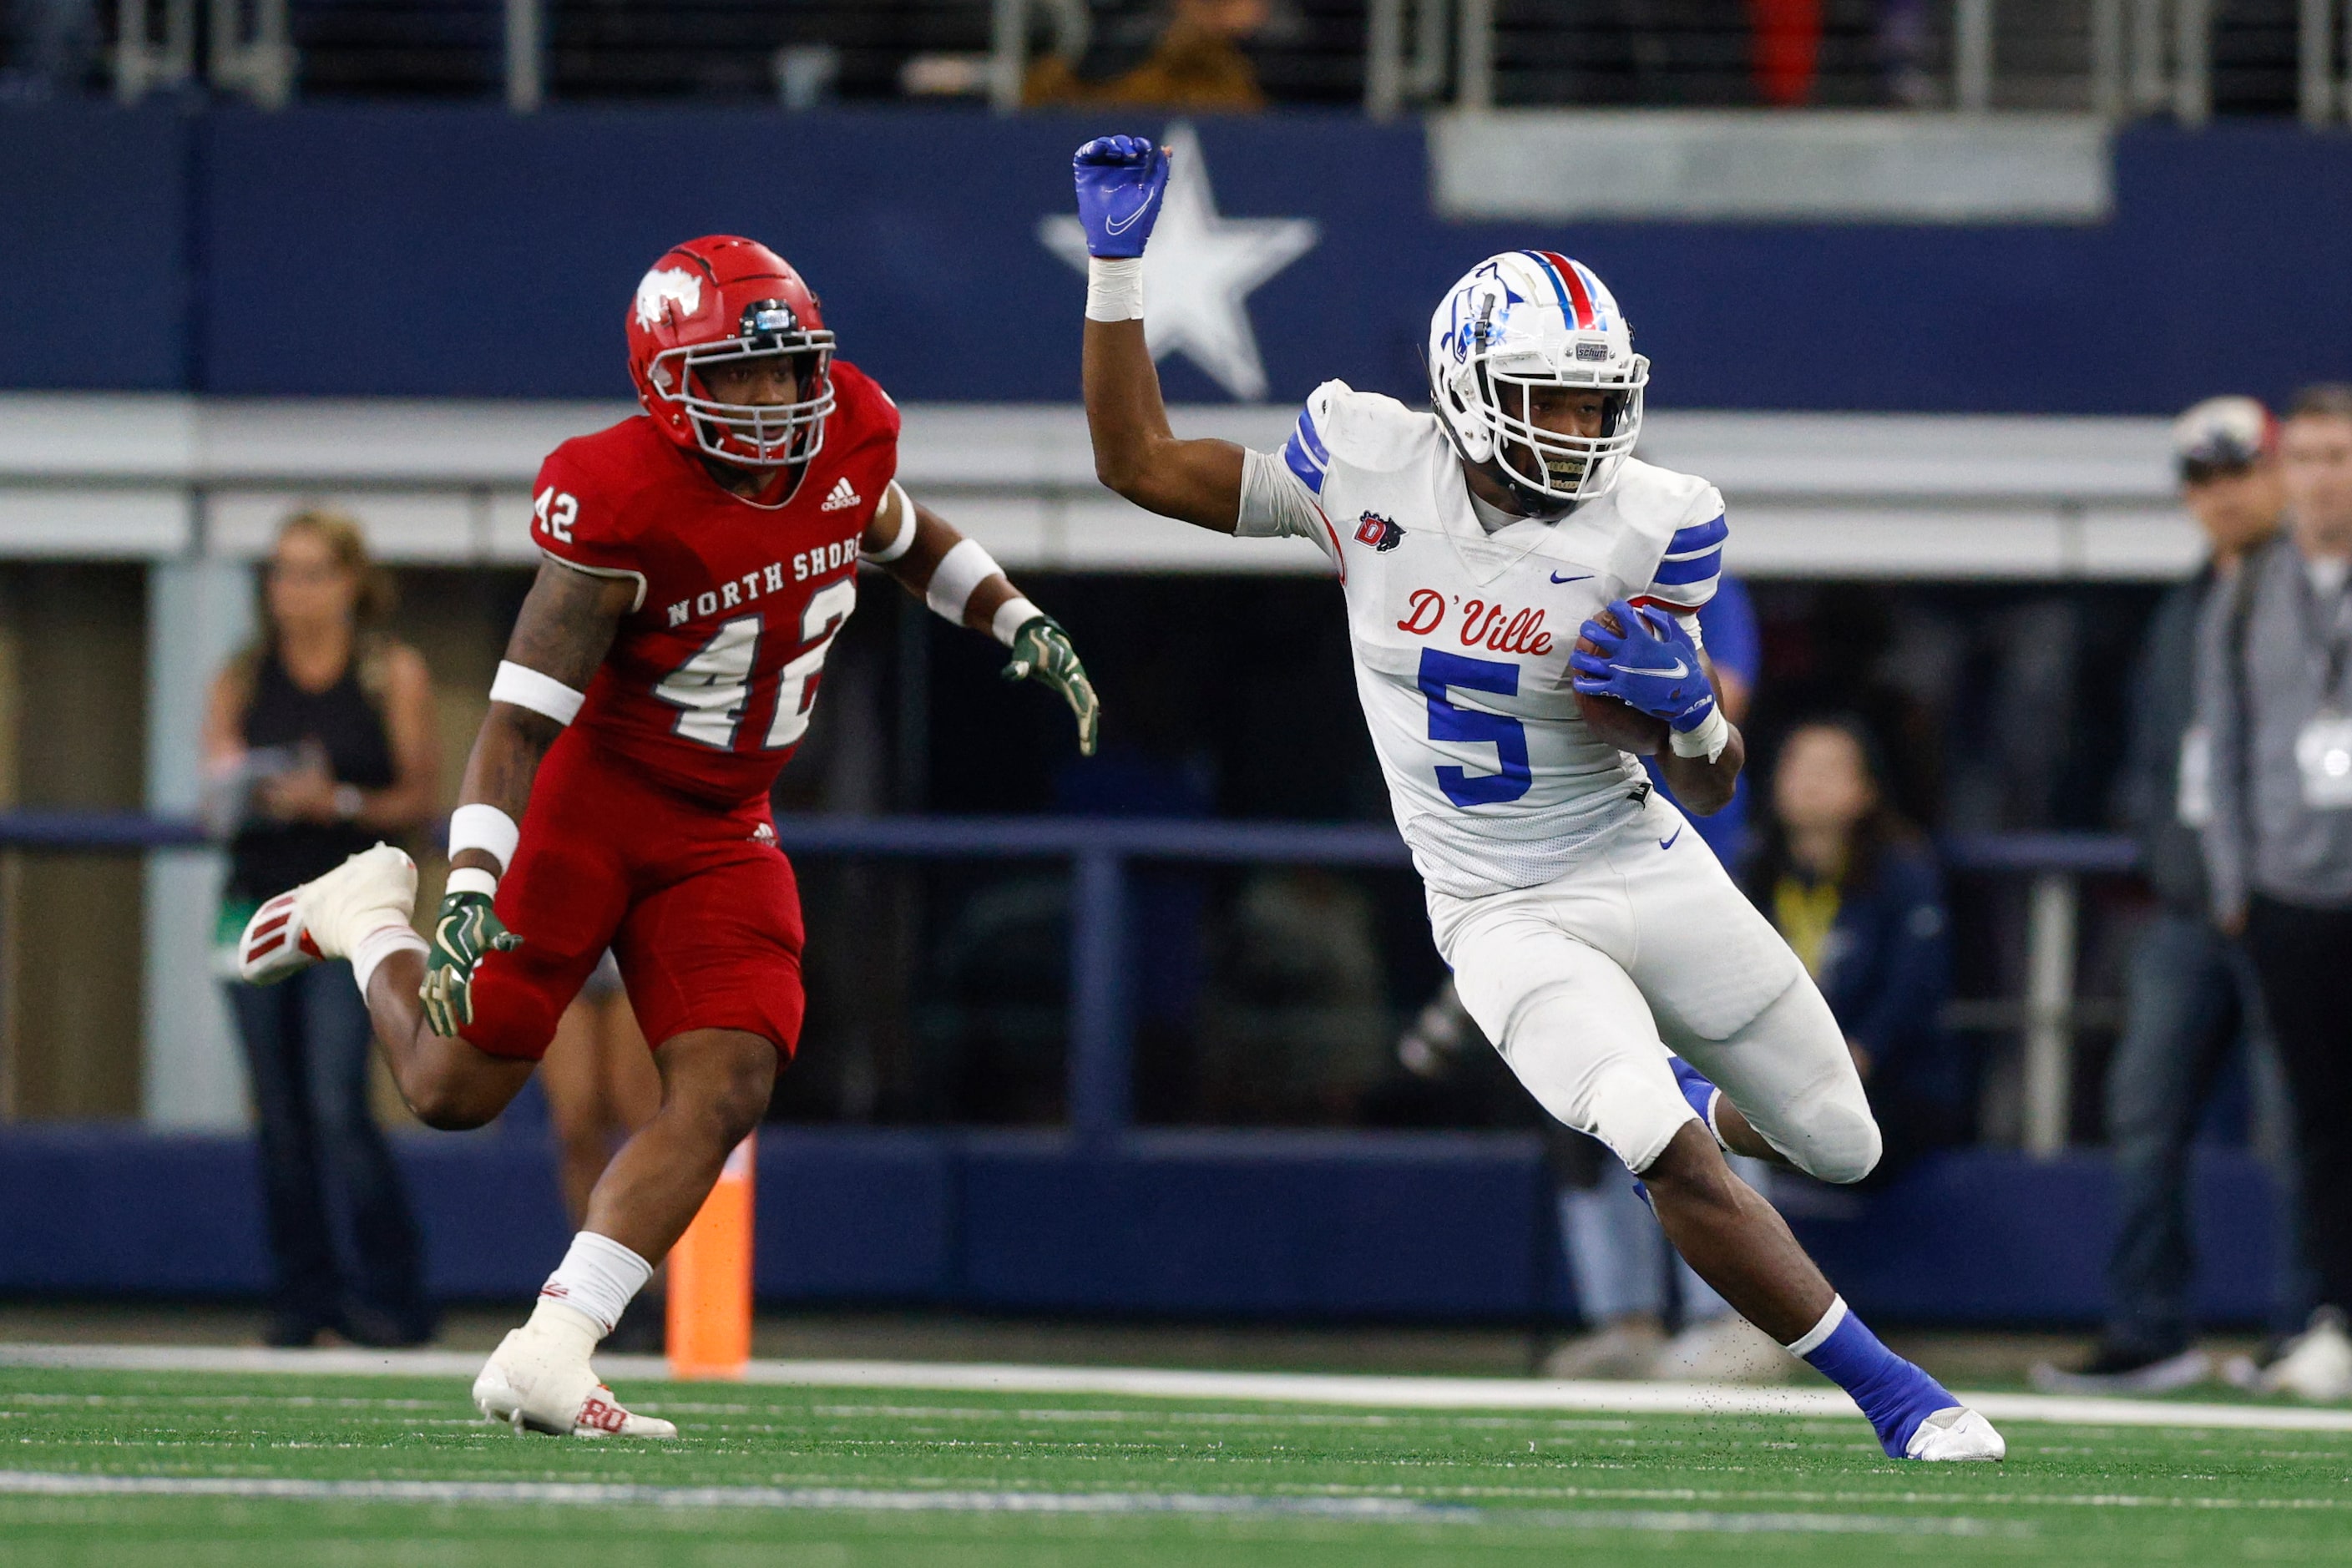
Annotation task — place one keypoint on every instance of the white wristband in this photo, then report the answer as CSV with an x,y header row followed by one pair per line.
x,y
470,880
906,536
487,828
541,694
1114,289
1011,617
1707,740
960,571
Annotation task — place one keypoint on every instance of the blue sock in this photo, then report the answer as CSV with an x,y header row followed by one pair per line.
x,y
1894,1394
1698,1091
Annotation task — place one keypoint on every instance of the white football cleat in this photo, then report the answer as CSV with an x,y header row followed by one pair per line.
x,y
1956,1433
537,1381
2317,1365
327,916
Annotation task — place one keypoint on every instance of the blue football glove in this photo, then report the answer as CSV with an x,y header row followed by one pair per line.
x,y
1120,179
1653,666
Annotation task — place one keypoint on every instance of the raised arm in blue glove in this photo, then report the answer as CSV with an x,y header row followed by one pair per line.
x,y
1120,179
1652,665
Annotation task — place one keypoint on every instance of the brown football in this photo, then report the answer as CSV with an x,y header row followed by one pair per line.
x,y
1626,728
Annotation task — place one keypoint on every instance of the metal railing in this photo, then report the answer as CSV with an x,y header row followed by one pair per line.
x,y
2118,58
1101,853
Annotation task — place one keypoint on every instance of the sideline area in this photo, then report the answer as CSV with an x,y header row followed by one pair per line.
x,y
1277,1388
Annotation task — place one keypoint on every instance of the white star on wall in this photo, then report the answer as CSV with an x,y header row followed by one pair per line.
x,y
1199,270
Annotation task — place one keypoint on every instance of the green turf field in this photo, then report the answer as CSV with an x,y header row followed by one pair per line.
x,y
180,1469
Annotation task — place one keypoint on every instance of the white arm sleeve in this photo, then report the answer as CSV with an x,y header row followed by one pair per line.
x,y
1277,502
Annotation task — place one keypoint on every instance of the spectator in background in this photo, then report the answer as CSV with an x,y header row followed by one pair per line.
x,y
601,1086
320,738
2275,695
2190,994
1855,891
1788,43
1197,64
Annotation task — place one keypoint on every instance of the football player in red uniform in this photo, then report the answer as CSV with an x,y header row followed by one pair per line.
x,y
700,559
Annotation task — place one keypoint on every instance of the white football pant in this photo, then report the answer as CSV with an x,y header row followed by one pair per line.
x,y
1588,982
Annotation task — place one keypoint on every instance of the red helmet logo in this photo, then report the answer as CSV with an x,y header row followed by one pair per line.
x,y
722,301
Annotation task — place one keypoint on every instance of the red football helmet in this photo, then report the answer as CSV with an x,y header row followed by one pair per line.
x,y
718,299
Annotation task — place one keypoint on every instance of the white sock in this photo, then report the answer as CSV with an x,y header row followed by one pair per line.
x,y
1818,1335
596,1280
379,944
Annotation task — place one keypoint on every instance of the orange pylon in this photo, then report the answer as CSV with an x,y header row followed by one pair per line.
x,y
710,1278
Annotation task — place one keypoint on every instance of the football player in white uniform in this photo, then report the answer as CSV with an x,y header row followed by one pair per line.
x,y
1598,941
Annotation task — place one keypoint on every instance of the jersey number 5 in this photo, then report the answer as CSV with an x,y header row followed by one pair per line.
x,y
1440,672
712,688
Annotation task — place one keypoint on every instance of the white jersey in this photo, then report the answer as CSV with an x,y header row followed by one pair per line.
x,y
1461,637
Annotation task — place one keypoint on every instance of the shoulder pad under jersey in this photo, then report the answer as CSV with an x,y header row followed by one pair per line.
x,y
1362,429
1681,516
583,503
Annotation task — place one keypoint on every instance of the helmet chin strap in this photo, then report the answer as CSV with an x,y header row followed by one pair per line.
x,y
1526,499
1532,502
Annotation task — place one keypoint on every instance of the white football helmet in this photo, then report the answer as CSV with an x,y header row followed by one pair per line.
x,y
1523,320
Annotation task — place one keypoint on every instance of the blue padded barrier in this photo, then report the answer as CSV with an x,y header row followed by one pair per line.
x,y
1255,1224
1421,1226
1986,1236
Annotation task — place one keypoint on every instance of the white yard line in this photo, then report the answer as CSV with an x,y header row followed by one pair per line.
x,y
1366,1510
1293,1388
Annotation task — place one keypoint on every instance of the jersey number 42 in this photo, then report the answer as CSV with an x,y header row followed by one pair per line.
x,y
712,690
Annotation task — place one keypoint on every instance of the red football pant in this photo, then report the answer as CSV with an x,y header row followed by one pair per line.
x,y
698,904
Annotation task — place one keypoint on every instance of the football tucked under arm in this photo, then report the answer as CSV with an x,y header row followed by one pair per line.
x,y
1615,722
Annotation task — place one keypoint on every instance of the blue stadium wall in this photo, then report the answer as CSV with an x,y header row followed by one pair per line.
x,y
438,251
1422,1227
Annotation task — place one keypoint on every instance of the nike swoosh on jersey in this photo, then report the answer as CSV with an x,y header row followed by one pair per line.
x,y
1675,671
1586,577
1668,842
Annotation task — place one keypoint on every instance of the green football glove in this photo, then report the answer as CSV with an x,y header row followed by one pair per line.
x,y
1042,652
465,930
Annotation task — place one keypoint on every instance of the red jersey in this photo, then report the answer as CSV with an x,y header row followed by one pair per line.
x,y
708,687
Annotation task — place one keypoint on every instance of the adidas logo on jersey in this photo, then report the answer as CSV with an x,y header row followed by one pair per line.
x,y
842,496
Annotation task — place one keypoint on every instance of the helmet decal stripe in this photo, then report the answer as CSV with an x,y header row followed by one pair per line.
x,y
1600,295
1574,298
1551,274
